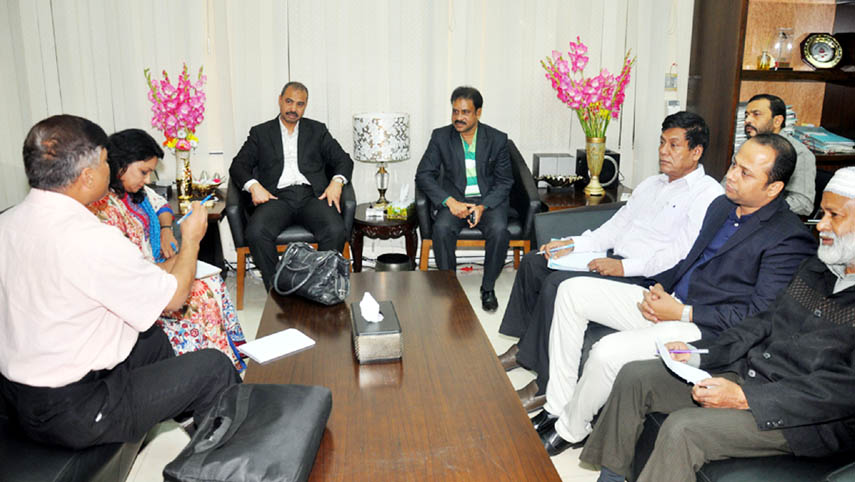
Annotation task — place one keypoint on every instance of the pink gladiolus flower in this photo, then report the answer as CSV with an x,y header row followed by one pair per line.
x,y
183,145
556,55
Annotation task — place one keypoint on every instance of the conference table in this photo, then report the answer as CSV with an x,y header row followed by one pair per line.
x,y
445,411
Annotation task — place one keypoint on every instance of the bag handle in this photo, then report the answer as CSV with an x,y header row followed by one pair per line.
x,y
312,268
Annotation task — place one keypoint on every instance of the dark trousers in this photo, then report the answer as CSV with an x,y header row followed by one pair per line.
x,y
690,436
494,226
296,205
530,308
123,404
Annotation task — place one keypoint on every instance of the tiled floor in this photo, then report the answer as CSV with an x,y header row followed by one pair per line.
x,y
170,439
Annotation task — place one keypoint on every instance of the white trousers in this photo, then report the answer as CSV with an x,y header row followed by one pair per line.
x,y
613,304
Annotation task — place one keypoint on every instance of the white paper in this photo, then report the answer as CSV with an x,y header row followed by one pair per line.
x,y
575,261
203,269
370,309
685,371
277,345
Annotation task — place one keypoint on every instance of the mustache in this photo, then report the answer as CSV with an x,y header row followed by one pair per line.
x,y
460,123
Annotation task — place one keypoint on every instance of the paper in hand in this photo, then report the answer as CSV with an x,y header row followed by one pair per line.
x,y
574,261
686,372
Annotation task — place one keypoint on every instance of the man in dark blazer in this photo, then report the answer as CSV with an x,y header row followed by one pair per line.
x,y
466,174
749,246
295,171
785,375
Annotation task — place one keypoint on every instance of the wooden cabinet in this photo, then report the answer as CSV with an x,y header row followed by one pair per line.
x,y
727,37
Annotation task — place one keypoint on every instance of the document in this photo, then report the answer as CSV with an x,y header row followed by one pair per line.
x,y
203,269
277,345
686,372
575,261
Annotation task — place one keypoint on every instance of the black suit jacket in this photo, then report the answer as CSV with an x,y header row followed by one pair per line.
x,y
748,271
442,170
319,156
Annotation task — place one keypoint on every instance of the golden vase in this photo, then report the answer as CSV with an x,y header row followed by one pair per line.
x,y
595,149
183,176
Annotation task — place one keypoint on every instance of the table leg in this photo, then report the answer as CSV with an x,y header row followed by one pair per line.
x,y
356,248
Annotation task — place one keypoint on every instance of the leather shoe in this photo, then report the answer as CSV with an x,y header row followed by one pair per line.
x,y
544,421
554,444
489,301
529,398
508,359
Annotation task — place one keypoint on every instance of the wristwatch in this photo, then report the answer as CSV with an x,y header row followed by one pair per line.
x,y
687,314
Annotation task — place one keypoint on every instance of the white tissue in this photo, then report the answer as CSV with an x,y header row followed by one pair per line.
x,y
370,309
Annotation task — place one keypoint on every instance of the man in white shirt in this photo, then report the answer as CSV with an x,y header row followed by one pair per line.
x,y
650,234
81,358
767,113
295,172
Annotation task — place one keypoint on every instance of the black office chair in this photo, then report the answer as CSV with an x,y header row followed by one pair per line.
x,y
239,208
524,204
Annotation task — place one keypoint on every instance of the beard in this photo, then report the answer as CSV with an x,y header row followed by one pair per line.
x,y
841,251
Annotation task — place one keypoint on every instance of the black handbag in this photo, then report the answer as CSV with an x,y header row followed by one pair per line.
x,y
321,276
256,433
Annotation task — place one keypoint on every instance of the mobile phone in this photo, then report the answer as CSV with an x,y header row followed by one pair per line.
x,y
471,217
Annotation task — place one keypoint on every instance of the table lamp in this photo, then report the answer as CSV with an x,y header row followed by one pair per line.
x,y
381,138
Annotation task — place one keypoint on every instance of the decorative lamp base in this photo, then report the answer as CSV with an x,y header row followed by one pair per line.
x,y
595,149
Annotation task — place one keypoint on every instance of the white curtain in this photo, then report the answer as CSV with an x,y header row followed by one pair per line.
x,y
86,57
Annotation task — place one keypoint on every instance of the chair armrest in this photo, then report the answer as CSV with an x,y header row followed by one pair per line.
x,y
842,474
423,209
236,214
524,190
570,222
348,207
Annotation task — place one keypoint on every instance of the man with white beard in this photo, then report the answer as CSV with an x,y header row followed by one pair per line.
x,y
782,379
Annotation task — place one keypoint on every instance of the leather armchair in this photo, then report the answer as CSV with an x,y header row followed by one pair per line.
x,y
239,208
22,460
524,204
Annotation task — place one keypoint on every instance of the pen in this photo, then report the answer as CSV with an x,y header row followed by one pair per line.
x,y
699,351
559,248
203,201
174,248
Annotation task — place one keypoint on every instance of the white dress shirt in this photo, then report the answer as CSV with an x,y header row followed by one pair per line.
x,y
74,292
658,225
291,174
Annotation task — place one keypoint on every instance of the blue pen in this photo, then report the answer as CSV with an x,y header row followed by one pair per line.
x,y
560,248
701,351
174,248
209,196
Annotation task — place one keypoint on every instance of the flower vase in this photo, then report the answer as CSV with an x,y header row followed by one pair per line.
x,y
183,176
595,149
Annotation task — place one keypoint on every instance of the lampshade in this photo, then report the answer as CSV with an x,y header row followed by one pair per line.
x,y
381,137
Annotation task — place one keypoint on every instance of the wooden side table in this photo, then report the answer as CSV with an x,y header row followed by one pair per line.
x,y
381,228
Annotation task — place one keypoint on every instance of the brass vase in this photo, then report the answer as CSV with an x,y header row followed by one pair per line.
x,y
183,176
595,149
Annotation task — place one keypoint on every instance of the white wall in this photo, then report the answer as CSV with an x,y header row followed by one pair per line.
x,y
87,56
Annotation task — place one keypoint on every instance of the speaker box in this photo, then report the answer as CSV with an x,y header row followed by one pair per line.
x,y
610,174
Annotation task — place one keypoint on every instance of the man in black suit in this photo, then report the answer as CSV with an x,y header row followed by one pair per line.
x,y
749,246
295,171
466,174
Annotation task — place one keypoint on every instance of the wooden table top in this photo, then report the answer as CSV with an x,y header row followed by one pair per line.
x,y
446,411
574,198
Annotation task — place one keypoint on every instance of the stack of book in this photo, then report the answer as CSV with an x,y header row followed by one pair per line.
x,y
819,139
740,137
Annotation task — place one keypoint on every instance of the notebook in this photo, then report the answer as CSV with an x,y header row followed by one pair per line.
x,y
203,269
277,345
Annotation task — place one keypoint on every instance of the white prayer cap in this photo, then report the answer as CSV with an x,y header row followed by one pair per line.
x,y
843,182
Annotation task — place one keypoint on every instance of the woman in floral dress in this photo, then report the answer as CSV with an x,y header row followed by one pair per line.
x,y
208,318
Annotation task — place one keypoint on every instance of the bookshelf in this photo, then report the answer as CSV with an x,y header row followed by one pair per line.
x,y
728,35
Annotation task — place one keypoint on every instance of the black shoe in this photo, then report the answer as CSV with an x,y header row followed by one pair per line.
x,y
489,301
554,444
544,421
508,359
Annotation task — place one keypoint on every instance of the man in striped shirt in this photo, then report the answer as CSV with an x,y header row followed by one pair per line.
x,y
466,173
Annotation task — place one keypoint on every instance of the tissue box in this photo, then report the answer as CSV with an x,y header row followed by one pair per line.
x,y
376,342
399,212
